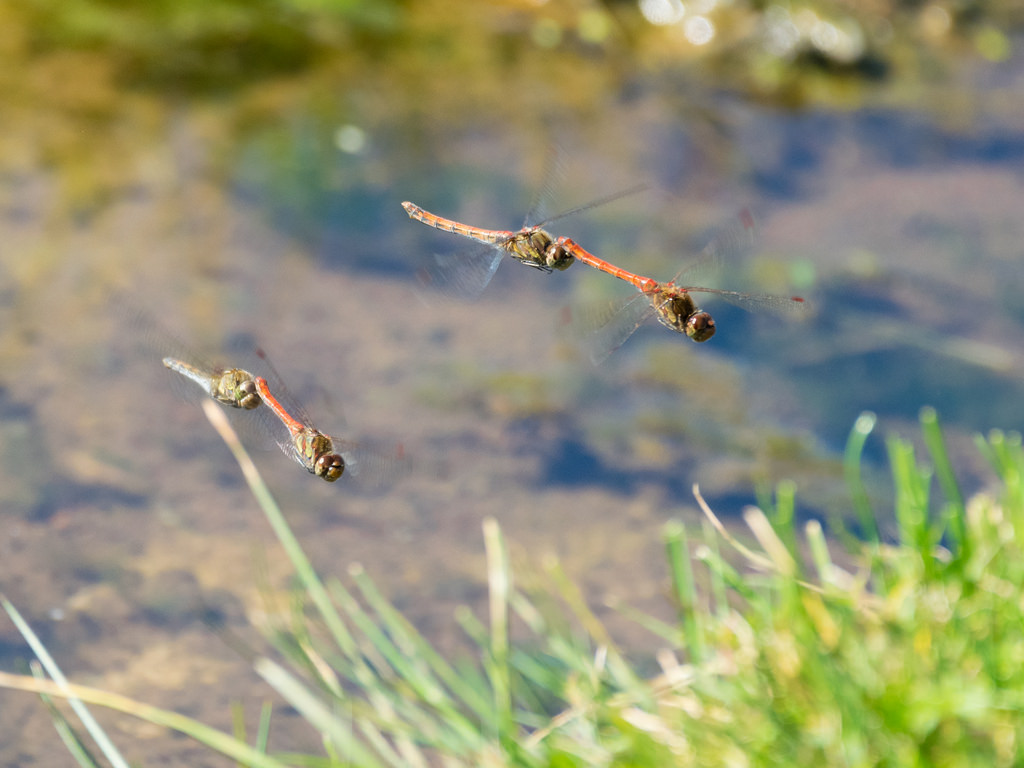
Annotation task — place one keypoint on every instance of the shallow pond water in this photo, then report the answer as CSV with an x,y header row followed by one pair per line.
x,y
272,217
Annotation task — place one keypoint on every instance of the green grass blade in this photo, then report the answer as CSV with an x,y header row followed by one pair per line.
x,y
471,625
912,485
684,587
784,518
438,674
499,581
775,548
667,631
72,742
391,641
819,552
315,712
238,721
718,588
422,699
263,732
852,458
955,511
1003,452
732,578
617,667
303,568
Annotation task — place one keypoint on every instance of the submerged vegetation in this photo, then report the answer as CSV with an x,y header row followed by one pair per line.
x,y
89,80
195,45
899,651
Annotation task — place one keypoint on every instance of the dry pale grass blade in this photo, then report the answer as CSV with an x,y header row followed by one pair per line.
x,y
221,742
770,541
54,671
758,560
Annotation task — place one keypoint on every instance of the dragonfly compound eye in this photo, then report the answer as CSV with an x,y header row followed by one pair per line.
x,y
700,326
248,398
557,257
330,467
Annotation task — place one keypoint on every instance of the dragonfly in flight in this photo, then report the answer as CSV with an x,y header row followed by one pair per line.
x,y
672,303
467,274
321,454
234,387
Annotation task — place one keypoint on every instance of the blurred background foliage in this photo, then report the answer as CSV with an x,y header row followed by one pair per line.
x,y
87,83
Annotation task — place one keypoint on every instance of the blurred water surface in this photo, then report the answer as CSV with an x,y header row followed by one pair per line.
x,y
241,178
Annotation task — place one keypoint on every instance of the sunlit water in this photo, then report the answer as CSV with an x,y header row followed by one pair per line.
x,y
125,515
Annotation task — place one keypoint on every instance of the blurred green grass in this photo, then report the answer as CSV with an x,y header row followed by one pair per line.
x,y
906,653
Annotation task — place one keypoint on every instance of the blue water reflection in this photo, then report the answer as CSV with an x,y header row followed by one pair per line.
x,y
871,343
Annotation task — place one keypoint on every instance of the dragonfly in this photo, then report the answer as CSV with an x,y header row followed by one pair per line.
x,y
672,303
467,275
321,454
234,387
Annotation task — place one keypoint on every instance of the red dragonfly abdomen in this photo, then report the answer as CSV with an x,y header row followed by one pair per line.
x,y
640,282
492,236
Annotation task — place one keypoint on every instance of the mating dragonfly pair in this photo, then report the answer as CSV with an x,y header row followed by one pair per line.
x,y
670,302
321,454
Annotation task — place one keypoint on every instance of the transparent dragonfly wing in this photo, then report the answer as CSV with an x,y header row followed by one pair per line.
x,y
271,424
273,433
754,302
730,245
554,174
147,337
199,377
281,391
606,327
729,248
371,465
463,275
189,375
187,381
282,418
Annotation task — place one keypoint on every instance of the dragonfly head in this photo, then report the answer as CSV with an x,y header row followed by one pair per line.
x,y
236,388
329,466
247,396
557,256
700,326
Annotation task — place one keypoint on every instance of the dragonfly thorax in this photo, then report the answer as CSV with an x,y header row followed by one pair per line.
x,y
236,387
324,462
248,397
537,249
678,311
